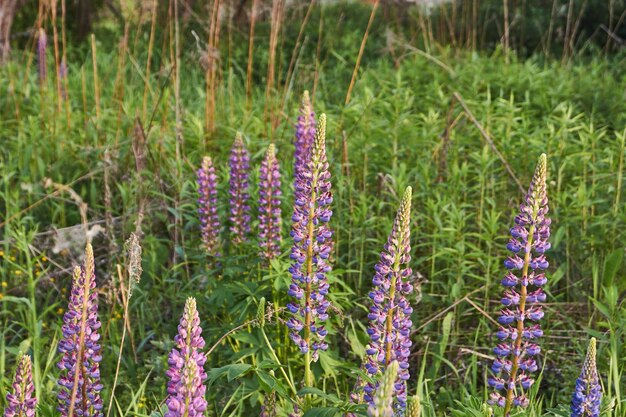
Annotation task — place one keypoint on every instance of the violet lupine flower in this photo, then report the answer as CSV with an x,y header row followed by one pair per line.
x,y
268,409
80,370
517,349
42,43
269,205
312,245
239,208
588,394
305,134
207,207
62,78
21,401
389,316
186,374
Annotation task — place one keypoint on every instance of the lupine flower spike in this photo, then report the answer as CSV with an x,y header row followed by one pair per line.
x,y
186,374
80,370
239,208
207,207
268,409
383,403
389,316
413,408
42,43
312,245
517,348
588,394
305,134
21,401
269,205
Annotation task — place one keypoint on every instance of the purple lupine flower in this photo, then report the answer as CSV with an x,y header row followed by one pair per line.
x,y
311,249
517,348
42,43
305,134
207,207
239,209
269,205
80,370
21,401
268,409
62,78
389,316
185,388
588,394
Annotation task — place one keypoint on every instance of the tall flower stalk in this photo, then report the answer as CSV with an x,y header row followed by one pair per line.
x,y
42,43
517,348
305,134
21,401
239,208
80,348
185,388
207,207
269,205
588,393
389,317
311,249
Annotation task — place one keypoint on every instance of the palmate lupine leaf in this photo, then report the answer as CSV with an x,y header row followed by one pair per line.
x,y
517,350
21,401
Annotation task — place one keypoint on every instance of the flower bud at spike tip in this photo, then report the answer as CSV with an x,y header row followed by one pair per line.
x,y
260,313
21,401
305,134
588,393
382,405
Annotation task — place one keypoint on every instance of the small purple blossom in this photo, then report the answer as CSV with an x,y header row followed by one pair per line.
x,y
517,349
311,249
389,317
63,78
185,388
269,205
21,401
239,209
588,393
42,43
207,207
80,364
305,134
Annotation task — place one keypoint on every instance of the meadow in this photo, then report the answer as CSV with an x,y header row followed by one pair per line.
x,y
103,146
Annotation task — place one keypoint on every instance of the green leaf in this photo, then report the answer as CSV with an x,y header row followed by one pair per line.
x,y
322,412
237,370
611,266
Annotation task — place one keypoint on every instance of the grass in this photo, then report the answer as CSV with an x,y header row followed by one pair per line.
x,y
388,137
